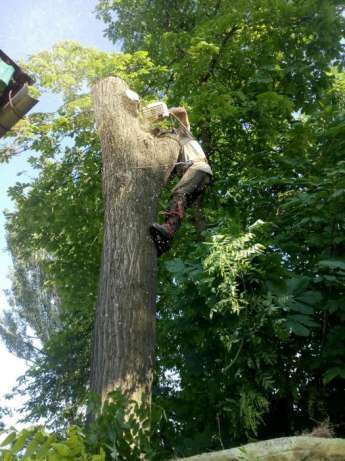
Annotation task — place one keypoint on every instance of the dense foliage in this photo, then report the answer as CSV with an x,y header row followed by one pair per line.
x,y
121,430
251,319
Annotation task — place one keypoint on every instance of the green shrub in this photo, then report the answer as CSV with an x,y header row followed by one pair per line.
x,y
121,429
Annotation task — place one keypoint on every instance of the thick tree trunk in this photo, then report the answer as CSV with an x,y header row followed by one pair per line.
x,y
135,165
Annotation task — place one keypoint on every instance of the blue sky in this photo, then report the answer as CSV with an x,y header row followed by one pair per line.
x,y
27,27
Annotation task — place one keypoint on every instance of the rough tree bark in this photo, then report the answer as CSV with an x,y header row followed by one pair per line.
x,y
135,165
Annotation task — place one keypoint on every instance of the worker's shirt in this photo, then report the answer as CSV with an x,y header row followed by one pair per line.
x,y
191,152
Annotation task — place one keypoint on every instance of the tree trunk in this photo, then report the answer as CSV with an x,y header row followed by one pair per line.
x,y
135,165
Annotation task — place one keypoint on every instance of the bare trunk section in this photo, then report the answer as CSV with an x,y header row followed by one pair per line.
x,y
134,168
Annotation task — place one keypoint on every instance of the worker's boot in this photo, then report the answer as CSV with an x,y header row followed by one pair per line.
x,y
162,234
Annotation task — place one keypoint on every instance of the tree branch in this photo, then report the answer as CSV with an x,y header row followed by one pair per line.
x,y
215,60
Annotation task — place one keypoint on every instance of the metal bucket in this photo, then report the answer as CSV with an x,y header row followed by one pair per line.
x,y
15,109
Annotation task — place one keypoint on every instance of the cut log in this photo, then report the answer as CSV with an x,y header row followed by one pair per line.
x,y
301,448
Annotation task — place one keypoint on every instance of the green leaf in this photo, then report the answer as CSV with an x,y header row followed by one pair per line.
x,y
33,445
20,442
61,448
176,266
304,319
332,373
310,297
332,264
297,284
9,439
301,308
297,328
44,449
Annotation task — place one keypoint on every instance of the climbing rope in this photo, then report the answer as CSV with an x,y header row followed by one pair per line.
x,y
166,165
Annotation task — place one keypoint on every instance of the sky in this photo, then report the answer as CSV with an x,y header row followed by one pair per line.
x,y
27,27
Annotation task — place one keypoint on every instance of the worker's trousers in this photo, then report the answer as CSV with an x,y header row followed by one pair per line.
x,y
187,190
191,185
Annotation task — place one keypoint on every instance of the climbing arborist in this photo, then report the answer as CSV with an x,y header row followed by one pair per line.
x,y
196,174
15,100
